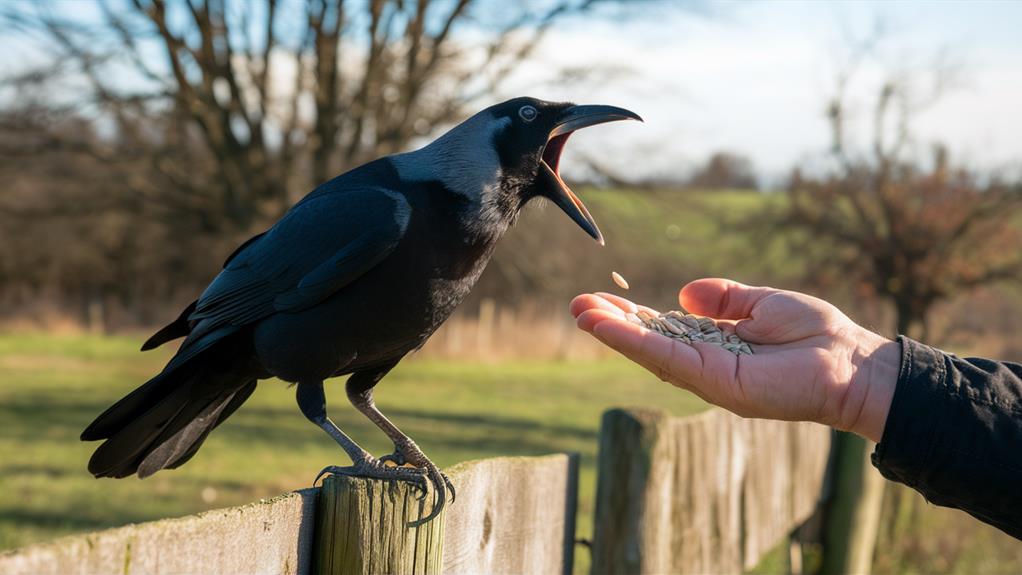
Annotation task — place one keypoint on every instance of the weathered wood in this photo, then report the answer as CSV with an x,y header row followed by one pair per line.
x,y
513,515
363,527
704,494
271,536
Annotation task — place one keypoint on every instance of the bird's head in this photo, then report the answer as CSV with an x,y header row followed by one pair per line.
x,y
515,148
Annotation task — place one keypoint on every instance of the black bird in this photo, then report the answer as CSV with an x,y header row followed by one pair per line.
x,y
355,276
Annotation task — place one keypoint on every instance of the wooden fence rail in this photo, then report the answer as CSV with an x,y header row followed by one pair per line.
x,y
710,493
704,494
512,514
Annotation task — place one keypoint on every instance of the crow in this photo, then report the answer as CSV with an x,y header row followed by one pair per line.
x,y
355,276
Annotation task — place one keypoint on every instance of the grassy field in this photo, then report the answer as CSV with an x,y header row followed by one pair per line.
x,y
53,386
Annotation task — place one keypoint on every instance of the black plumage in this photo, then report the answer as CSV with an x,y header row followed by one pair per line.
x,y
355,276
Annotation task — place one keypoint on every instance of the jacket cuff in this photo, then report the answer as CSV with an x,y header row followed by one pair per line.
x,y
911,430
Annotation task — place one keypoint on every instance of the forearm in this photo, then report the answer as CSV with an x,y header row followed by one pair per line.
x,y
954,433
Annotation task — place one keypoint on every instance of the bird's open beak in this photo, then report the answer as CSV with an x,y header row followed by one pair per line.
x,y
549,179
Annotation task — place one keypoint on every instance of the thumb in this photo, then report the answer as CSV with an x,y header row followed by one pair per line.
x,y
722,298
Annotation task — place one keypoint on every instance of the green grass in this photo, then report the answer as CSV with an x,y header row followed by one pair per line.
x,y
54,386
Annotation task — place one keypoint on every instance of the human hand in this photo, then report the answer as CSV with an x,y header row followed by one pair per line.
x,y
811,362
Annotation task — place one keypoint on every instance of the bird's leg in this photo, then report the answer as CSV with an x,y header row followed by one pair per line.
x,y
360,393
312,402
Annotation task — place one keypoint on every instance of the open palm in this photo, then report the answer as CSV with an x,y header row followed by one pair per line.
x,y
810,362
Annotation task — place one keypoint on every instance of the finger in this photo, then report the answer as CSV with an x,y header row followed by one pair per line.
x,y
590,301
722,298
588,319
707,370
666,357
624,304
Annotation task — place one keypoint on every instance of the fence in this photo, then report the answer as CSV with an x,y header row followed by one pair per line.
x,y
709,493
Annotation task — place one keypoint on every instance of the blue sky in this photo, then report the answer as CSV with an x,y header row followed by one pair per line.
x,y
754,78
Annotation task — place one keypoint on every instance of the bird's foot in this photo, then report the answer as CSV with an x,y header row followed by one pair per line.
x,y
426,478
439,484
375,469
397,458
407,452
410,453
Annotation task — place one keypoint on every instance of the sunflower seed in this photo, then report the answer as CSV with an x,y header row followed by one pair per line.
x,y
689,329
619,280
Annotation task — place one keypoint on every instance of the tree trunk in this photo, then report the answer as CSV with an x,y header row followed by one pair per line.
x,y
911,318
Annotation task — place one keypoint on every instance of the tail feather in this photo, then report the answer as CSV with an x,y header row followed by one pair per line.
x,y
180,327
180,369
119,455
141,400
164,422
173,444
238,399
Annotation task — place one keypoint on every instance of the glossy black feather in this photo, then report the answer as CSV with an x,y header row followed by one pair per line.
x,y
180,327
322,244
317,248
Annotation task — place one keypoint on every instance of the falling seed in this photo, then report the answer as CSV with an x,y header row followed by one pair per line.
x,y
620,281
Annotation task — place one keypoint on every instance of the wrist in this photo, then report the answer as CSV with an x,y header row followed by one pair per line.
x,y
879,362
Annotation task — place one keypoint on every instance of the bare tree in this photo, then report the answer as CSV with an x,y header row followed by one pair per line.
x,y
279,96
143,131
883,223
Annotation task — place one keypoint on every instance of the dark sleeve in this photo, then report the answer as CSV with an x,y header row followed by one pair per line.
x,y
954,434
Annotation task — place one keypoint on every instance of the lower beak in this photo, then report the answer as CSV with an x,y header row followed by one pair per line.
x,y
559,193
548,179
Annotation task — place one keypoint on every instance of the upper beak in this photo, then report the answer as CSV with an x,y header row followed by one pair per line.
x,y
549,180
578,117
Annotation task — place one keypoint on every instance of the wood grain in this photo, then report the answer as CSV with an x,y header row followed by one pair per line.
x,y
709,493
271,536
363,527
513,515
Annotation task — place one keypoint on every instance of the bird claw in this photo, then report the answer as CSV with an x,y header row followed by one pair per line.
x,y
426,477
450,487
440,484
373,468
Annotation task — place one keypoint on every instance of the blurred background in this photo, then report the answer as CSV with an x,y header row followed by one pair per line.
x,y
866,153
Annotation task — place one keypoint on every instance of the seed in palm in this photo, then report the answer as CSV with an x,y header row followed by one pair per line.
x,y
690,328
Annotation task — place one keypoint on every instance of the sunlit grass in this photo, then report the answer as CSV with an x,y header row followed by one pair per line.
x,y
54,386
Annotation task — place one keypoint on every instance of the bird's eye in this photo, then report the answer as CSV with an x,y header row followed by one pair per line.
x,y
528,113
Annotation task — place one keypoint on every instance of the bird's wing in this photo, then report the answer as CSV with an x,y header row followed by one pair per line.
x,y
318,247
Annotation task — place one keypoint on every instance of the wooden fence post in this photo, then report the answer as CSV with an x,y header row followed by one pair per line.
x,y
852,517
363,527
711,493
